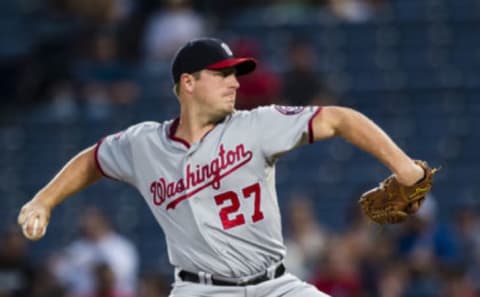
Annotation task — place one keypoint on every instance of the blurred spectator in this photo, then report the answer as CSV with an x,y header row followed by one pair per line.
x,y
292,11
224,11
262,87
458,284
306,239
302,84
171,27
63,104
95,12
423,278
124,17
16,271
392,281
105,78
429,248
467,225
105,283
338,273
359,233
45,284
48,64
77,267
355,11
422,237
371,249
153,285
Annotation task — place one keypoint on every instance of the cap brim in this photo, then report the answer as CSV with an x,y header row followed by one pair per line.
x,y
242,65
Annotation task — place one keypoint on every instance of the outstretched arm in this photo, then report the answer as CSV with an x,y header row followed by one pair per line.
x,y
80,172
357,129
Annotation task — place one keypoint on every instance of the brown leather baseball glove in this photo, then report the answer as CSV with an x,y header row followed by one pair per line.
x,y
392,202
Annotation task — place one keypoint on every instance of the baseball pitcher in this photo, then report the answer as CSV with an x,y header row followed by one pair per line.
x,y
208,176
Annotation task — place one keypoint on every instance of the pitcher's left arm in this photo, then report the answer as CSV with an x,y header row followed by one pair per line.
x,y
362,132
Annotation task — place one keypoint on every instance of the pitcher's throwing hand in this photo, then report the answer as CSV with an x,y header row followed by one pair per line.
x,y
33,219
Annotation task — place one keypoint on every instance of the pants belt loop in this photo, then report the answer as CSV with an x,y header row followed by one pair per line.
x,y
271,271
201,277
208,278
177,274
205,278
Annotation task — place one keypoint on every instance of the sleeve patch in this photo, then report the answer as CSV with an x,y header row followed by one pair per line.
x,y
289,110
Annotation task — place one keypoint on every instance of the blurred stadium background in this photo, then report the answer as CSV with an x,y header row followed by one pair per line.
x,y
74,71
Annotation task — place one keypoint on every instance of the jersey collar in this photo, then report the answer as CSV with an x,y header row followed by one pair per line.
x,y
171,133
174,126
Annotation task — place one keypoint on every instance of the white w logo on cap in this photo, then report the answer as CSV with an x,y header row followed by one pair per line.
x,y
227,49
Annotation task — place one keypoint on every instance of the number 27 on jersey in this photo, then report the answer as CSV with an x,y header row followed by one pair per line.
x,y
231,204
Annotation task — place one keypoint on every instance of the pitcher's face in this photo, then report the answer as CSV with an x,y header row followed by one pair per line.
x,y
216,90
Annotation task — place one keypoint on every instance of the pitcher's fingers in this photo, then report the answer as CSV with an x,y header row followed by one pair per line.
x,y
35,226
27,226
43,228
26,231
22,216
40,223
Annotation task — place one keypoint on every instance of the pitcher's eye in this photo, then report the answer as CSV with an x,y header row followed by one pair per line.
x,y
227,71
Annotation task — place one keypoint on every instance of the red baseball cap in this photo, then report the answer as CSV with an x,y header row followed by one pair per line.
x,y
208,53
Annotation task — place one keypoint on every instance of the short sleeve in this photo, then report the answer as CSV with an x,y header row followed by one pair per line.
x,y
113,155
282,128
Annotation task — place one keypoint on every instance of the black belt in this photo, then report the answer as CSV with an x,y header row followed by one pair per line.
x,y
195,278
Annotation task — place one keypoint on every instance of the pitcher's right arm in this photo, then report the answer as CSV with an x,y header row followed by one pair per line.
x,y
80,172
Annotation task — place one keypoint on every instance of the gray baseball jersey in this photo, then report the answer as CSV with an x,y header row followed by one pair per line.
x,y
215,199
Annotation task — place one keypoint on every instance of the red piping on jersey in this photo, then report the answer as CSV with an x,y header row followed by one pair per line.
x,y
310,125
171,133
97,162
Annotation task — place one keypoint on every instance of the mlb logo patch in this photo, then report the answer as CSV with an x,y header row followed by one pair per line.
x,y
289,110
